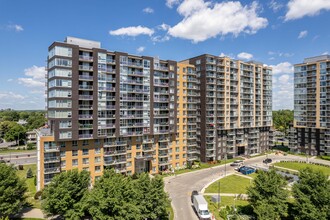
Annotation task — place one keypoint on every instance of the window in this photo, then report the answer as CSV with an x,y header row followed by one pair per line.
x,y
97,150
97,159
63,163
85,143
177,156
97,169
85,161
85,151
75,162
59,114
60,73
59,93
59,83
75,153
138,146
62,144
86,168
63,153
60,62
74,143
60,51
65,124
65,134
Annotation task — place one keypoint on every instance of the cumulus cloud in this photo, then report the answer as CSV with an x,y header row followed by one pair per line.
x,y
284,67
275,6
279,54
171,3
35,77
203,20
163,27
148,10
15,27
244,56
10,96
140,49
160,38
302,34
132,31
300,8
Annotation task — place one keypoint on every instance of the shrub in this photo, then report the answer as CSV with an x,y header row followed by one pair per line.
x,y
20,167
37,195
29,173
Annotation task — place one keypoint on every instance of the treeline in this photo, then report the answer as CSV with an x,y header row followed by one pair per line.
x,y
11,130
282,119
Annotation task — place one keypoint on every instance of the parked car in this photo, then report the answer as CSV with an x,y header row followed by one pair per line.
x,y
201,208
268,160
193,193
237,163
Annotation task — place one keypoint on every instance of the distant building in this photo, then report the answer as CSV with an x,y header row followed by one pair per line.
x,y
311,130
22,122
31,137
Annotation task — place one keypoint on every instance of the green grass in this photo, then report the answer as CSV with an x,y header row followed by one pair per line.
x,y
230,184
225,201
8,151
253,175
31,191
324,157
299,166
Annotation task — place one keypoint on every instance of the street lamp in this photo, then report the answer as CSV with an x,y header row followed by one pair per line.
x,y
219,195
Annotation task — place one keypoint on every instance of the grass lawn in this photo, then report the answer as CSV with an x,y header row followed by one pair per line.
x,y
300,166
15,151
225,200
31,191
230,184
253,175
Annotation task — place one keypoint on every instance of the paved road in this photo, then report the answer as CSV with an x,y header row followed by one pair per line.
x,y
20,158
181,186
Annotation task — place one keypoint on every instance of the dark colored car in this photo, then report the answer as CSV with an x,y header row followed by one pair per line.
x,y
268,160
193,193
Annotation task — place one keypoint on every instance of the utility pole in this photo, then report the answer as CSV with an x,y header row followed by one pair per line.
x,y
219,195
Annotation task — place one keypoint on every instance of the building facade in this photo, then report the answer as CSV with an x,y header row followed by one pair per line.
x,y
310,133
141,114
235,109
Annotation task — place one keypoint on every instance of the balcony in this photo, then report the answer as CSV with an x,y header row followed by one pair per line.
x,y
52,160
52,149
85,116
52,170
85,136
85,126
85,97
85,58
111,162
105,126
115,152
115,143
84,68
85,77
85,107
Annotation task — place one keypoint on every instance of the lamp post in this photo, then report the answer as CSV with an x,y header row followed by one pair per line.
x,y
219,195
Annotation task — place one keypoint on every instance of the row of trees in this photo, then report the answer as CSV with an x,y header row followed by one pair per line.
x,y
282,119
113,196
10,130
270,198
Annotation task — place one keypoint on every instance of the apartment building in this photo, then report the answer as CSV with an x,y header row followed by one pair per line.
x,y
235,109
108,110
138,114
310,133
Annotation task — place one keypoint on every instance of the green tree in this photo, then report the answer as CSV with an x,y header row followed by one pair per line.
x,y
29,173
282,119
5,126
16,133
113,197
268,196
153,199
65,190
12,190
35,120
312,196
9,115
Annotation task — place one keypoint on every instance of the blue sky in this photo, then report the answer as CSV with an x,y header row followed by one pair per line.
x,y
276,32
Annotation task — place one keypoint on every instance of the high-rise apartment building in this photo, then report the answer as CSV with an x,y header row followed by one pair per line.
x,y
310,133
141,114
235,109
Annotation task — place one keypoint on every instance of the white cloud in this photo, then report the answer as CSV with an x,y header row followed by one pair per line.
x,y
140,49
203,20
171,3
132,31
10,96
36,77
163,27
284,67
284,78
325,53
244,56
15,27
148,10
280,54
9,80
159,38
276,6
302,34
300,8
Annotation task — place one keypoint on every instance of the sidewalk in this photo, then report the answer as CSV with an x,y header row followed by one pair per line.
x,y
31,213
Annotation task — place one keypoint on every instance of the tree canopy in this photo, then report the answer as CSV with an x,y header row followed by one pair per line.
x,y
65,190
282,119
268,196
12,190
312,196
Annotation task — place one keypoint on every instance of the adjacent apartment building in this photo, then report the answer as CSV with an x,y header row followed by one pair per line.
x,y
310,133
142,114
